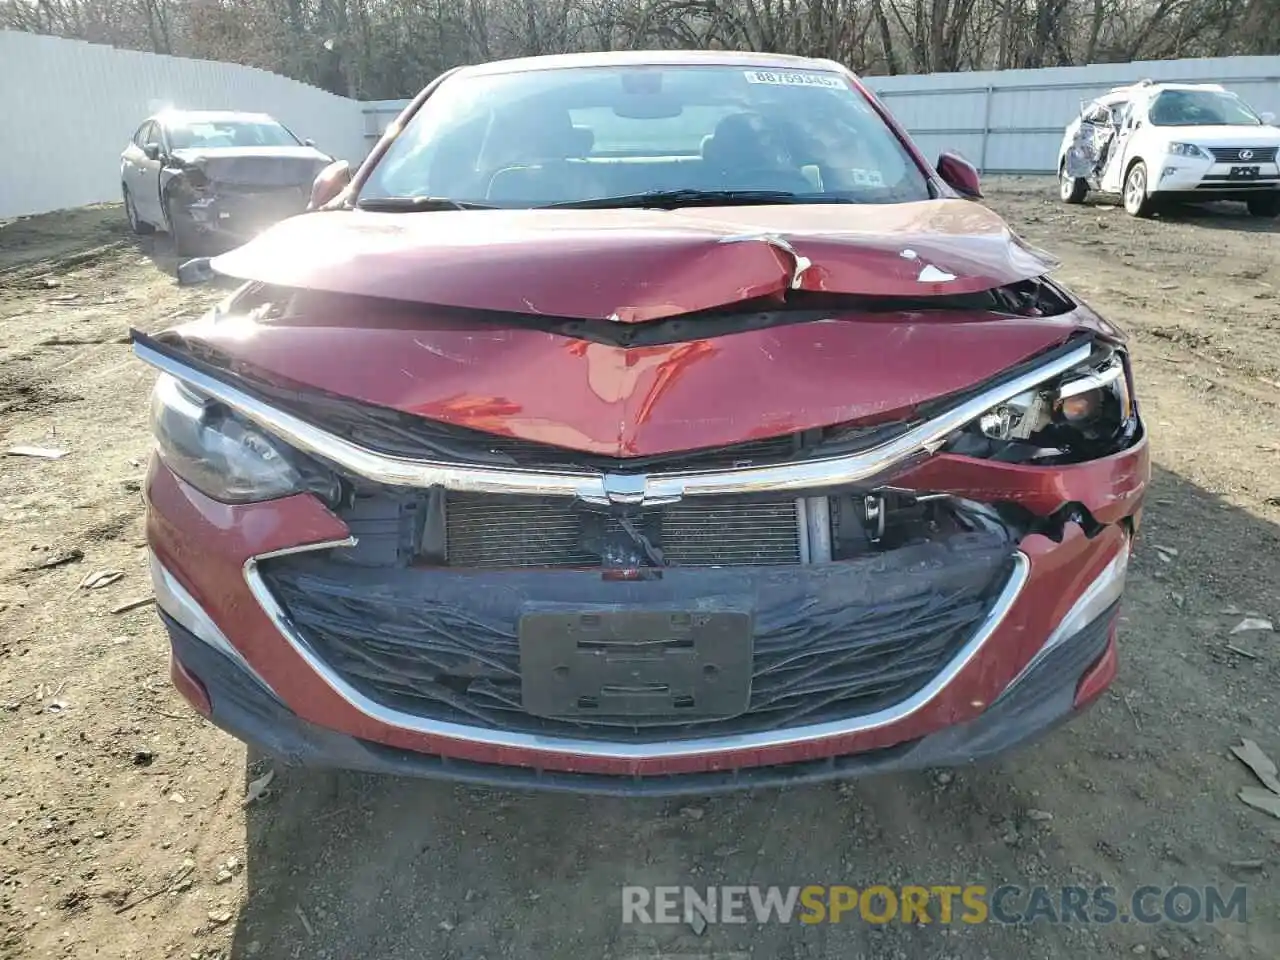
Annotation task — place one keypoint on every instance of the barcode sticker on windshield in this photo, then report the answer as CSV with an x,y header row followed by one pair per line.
x,y
794,79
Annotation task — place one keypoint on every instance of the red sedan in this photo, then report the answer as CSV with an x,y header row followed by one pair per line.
x,y
643,422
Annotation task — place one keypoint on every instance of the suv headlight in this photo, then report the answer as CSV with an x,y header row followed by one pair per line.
x,y
1189,150
1085,413
225,457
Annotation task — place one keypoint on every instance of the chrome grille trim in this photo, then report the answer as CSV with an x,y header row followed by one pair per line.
x,y
628,751
1232,154
594,487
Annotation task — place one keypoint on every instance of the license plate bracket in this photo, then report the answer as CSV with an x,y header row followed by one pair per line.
x,y
1244,173
648,664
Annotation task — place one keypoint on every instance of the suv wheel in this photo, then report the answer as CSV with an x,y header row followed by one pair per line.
x,y
1137,202
1267,205
1071,189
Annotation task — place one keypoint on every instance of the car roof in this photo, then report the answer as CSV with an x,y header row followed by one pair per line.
x,y
210,116
1161,87
653,58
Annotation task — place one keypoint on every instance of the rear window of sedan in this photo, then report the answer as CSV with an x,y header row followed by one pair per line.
x,y
561,135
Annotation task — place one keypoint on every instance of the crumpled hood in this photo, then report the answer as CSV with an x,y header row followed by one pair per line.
x,y
257,166
632,265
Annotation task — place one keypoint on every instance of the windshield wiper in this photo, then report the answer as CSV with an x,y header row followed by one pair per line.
x,y
416,204
671,199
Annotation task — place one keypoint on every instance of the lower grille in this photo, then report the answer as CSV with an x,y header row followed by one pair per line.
x,y
1233,154
250,206
488,531
829,643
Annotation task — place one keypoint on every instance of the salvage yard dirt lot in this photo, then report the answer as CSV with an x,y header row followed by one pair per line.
x,y
124,830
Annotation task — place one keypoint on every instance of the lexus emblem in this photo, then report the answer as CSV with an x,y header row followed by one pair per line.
x,y
1246,154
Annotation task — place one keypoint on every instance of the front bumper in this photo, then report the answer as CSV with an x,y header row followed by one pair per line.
x,y
1211,179
207,557
1045,696
242,215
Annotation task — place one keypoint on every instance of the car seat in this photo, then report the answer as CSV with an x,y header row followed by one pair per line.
x,y
546,161
745,153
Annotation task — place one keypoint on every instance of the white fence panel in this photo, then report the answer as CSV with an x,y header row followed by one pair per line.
x,y
70,108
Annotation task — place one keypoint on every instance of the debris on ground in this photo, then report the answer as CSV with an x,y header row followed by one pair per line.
x,y
132,604
1246,864
306,924
43,453
1263,767
227,871
56,558
1253,623
1260,799
258,788
100,578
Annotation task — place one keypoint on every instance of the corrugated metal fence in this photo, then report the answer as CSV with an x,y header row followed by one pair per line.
x,y
1011,121
70,107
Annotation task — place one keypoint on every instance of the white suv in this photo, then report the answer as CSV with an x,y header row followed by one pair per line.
x,y
1159,142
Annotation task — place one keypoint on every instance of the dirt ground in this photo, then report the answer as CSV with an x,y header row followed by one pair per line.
x,y
123,830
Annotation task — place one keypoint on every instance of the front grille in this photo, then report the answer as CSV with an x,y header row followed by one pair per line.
x,y
845,640
1232,154
488,531
262,172
256,205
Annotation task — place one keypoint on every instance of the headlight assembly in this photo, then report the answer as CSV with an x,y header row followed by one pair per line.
x,y
227,458
1188,150
1085,413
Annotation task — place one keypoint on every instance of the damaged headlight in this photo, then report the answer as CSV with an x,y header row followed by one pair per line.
x,y
1085,413
225,457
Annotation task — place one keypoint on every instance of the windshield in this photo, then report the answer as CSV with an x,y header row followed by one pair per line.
x,y
229,133
1200,108
563,136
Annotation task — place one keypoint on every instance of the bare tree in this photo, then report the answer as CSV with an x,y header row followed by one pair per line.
x,y
391,48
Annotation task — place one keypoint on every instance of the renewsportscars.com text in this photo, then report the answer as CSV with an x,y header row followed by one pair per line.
x,y
947,904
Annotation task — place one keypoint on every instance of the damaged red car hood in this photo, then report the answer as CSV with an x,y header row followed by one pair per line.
x,y
368,329
635,265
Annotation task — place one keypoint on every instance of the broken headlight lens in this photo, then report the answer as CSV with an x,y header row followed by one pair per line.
x,y
223,456
1085,413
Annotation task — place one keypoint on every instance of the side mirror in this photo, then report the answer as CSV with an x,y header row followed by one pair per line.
x,y
1268,118
329,183
308,142
152,150
960,175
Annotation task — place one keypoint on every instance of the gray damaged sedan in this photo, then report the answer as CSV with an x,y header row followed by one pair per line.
x,y
215,178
